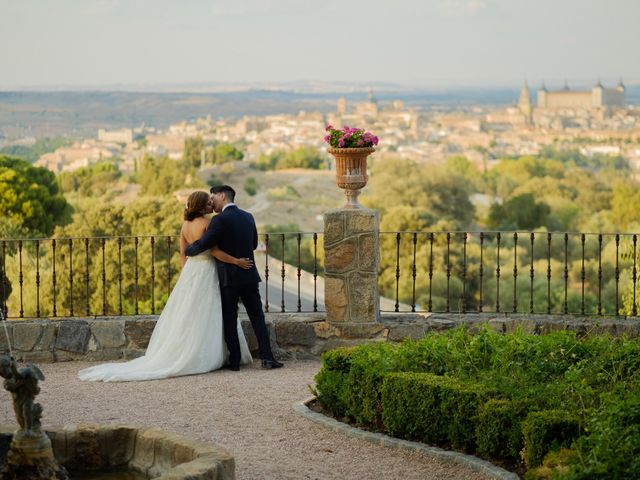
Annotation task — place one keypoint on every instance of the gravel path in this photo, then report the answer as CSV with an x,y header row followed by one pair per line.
x,y
248,412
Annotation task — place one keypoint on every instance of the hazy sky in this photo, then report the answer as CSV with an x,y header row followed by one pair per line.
x,y
424,43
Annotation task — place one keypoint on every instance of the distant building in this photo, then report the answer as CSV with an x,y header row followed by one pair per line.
x,y
124,135
524,103
596,98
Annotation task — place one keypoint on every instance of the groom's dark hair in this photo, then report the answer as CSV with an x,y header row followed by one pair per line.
x,y
229,192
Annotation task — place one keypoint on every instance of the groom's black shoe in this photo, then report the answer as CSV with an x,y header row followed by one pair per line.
x,y
233,368
271,364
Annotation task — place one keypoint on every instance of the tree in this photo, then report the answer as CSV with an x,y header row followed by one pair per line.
x,y
92,181
223,153
521,212
193,148
304,157
625,205
161,175
251,186
29,196
437,193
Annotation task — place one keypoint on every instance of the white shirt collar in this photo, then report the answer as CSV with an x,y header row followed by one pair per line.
x,y
228,205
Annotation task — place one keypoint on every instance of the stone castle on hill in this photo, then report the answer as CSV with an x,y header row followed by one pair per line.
x,y
599,101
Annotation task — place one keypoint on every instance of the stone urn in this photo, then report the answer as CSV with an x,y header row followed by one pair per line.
x,y
351,171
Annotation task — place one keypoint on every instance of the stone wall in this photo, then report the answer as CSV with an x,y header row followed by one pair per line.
x,y
293,335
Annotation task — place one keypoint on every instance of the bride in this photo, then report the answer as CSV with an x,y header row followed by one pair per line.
x,y
188,336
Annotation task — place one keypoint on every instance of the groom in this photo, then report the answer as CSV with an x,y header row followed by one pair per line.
x,y
234,232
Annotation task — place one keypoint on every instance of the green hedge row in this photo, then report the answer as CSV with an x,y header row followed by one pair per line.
x,y
516,398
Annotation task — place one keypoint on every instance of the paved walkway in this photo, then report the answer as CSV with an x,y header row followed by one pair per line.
x,y
248,412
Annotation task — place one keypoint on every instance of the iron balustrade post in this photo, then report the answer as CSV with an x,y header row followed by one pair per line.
x,y
413,272
153,275
120,276
20,278
135,275
299,273
38,278
498,272
104,278
70,277
566,272
3,279
266,272
634,310
515,272
430,305
397,305
448,306
582,275
315,272
600,274
53,284
86,275
282,275
464,273
481,272
617,273
548,273
532,237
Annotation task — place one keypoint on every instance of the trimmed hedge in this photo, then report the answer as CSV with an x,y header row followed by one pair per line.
x,y
432,408
547,431
499,428
332,391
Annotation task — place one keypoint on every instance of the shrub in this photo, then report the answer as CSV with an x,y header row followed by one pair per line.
x,y
251,186
499,428
368,367
331,381
547,431
411,407
611,450
432,408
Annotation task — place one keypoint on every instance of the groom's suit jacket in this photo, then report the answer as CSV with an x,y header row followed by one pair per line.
x,y
233,231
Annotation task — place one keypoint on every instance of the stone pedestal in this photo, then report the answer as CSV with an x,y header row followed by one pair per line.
x,y
31,456
352,258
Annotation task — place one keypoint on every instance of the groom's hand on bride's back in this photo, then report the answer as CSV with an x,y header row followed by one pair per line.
x,y
244,263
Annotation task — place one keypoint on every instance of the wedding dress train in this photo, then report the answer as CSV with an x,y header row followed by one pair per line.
x,y
188,336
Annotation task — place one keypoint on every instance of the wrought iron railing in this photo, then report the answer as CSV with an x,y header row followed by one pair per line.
x,y
510,272
134,275
561,273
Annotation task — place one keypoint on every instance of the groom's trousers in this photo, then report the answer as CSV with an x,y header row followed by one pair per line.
x,y
250,296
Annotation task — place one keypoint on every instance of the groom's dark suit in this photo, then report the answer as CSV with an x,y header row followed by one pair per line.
x,y
234,232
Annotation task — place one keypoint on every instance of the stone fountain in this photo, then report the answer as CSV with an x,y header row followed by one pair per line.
x,y
30,453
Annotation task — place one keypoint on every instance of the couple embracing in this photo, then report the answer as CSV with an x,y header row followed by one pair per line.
x,y
198,330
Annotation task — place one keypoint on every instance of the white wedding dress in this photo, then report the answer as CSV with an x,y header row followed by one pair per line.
x,y
188,336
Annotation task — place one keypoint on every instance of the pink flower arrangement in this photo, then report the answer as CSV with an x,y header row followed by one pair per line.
x,y
349,137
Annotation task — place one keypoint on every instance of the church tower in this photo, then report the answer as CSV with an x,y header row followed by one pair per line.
x,y
524,102
597,95
542,96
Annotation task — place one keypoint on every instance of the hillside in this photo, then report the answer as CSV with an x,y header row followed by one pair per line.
x,y
283,196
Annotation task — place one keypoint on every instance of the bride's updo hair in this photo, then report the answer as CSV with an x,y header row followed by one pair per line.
x,y
196,205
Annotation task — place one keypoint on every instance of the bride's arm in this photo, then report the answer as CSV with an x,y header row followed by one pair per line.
x,y
245,263
183,246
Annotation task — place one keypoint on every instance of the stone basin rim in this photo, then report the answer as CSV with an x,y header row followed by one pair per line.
x,y
151,451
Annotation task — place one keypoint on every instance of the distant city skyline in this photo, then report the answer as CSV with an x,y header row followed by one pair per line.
x,y
226,44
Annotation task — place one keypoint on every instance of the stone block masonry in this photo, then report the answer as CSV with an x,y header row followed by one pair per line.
x,y
352,259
